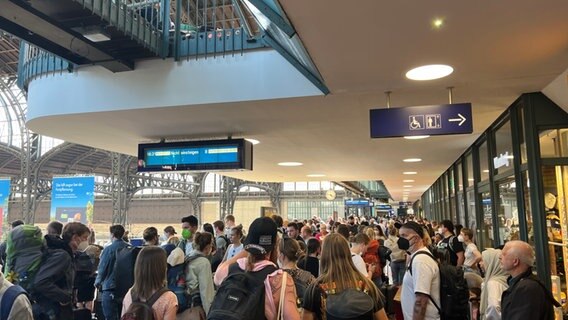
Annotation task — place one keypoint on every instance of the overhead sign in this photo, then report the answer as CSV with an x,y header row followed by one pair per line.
x,y
72,199
359,203
230,154
423,120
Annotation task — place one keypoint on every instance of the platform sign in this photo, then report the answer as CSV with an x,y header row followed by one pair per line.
x,y
442,119
72,199
4,198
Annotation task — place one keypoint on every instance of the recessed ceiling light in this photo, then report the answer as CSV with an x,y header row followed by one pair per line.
x,y
253,141
416,137
316,175
290,164
437,23
407,186
412,160
429,72
485,171
410,172
407,180
470,179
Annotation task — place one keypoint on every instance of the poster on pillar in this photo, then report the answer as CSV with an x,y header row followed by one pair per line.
x,y
72,199
4,198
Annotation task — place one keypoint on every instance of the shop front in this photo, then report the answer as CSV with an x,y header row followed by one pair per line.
x,y
512,183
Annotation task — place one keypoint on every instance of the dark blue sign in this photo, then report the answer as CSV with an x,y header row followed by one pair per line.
x,y
384,207
423,120
173,156
359,203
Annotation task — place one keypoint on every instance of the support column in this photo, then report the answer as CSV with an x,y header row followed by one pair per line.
x,y
227,195
119,181
31,143
275,198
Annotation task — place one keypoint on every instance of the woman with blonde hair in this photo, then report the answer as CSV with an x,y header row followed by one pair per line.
x,y
150,284
339,275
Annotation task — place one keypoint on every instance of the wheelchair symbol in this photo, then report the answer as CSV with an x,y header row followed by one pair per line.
x,y
416,122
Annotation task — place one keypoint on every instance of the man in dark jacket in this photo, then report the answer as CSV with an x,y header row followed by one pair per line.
x,y
105,276
526,297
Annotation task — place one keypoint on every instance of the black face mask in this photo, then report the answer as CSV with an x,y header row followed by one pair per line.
x,y
403,244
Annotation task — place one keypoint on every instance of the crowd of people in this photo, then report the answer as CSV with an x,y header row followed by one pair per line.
x,y
278,269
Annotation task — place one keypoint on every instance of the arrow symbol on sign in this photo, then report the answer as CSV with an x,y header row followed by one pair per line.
x,y
461,119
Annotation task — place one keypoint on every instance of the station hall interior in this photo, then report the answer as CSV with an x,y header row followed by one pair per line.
x,y
300,78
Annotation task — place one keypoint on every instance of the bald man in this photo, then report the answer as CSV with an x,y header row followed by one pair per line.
x,y
422,280
526,297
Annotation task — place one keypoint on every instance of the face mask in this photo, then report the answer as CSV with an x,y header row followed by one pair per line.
x,y
186,234
440,231
403,244
460,238
83,245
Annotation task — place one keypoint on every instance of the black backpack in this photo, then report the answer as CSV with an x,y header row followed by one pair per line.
x,y
454,293
349,304
241,295
139,310
124,270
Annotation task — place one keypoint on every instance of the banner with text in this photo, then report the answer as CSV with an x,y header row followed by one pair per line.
x,y
4,198
72,199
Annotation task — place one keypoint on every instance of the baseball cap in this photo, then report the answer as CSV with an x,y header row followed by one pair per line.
x,y
414,226
262,236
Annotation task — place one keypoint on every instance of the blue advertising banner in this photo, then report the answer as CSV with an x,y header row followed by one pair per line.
x,y
72,199
4,198
423,120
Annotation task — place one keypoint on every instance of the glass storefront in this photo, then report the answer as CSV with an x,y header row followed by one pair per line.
x,y
512,183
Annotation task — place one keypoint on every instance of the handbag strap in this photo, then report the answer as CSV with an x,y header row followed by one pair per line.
x,y
280,315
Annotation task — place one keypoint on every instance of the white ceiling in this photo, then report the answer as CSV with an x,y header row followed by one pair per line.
x,y
499,50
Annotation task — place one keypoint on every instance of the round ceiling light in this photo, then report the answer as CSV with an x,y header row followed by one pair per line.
x,y
290,164
416,137
410,172
412,160
429,72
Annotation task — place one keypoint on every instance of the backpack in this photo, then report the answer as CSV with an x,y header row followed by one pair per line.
x,y
177,282
24,252
219,253
139,310
241,295
454,292
361,305
8,299
124,270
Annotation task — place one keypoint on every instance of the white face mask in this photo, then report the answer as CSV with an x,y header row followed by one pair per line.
x,y
441,231
460,238
83,245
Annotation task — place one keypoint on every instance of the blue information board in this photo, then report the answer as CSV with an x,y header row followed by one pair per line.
x,y
206,155
359,203
423,120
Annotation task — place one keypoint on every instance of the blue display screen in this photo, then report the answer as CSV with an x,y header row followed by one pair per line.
x,y
187,156
204,155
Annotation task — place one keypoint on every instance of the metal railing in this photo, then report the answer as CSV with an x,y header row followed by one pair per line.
x,y
36,62
148,21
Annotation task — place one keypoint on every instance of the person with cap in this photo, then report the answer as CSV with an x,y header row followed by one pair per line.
x,y
421,283
169,232
261,252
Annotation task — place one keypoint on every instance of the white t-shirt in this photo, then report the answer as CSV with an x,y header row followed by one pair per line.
x,y
425,278
359,263
232,250
470,255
